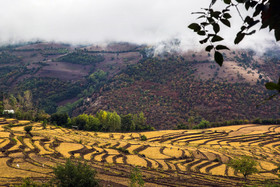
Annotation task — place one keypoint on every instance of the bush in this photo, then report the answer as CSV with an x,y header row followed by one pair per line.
x,y
245,165
202,125
59,119
44,124
28,129
122,150
136,177
143,138
27,182
181,126
73,174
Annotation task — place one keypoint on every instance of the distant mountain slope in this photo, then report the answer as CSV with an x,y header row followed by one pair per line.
x,y
168,88
60,73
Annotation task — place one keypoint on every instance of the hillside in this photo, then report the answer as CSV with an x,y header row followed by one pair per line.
x,y
169,88
166,158
59,73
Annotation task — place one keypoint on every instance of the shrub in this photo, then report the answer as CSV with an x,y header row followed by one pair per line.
x,y
6,127
136,177
27,182
123,150
13,141
245,165
28,129
59,119
44,124
73,174
143,138
202,125
181,126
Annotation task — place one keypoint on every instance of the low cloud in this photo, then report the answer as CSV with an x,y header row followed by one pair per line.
x,y
98,21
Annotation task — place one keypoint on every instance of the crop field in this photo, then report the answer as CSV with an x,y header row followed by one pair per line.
x,y
166,158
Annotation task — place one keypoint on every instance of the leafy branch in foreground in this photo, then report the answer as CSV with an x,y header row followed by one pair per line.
x,y
265,11
212,19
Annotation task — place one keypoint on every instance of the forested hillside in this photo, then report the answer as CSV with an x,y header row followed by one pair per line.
x,y
169,93
169,88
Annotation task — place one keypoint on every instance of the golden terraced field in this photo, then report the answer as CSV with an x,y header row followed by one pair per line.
x,y
167,158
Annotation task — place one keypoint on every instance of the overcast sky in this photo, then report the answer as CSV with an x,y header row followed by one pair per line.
x,y
96,21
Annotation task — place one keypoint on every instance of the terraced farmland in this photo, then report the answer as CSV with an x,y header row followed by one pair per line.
x,y
167,158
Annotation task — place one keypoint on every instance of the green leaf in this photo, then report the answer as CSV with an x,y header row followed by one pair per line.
x,y
211,20
201,33
258,10
225,22
205,23
227,1
272,86
222,47
209,48
219,58
247,5
213,2
215,14
251,24
227,15
253,4
216,38
195,27
216,28
248,19
203,41
243,28
239,37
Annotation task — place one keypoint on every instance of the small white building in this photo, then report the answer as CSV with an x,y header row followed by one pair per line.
x,y
8,112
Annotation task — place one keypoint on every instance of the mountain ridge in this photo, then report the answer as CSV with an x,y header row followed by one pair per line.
x,y
169,87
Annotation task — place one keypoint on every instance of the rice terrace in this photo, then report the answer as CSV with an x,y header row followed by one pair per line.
x,y
140,93
166,158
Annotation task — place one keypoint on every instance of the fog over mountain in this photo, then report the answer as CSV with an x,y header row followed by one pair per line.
x,y
98,21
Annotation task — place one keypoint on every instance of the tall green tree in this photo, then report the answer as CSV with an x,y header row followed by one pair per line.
x,y
81,121
102,116
59,119
93,124
114,122
140,121
127,123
